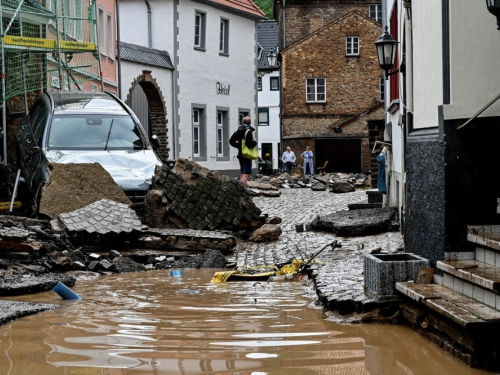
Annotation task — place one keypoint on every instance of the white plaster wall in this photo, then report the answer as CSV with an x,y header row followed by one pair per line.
x,y
200,71
427,62
475,53
164,79
270,99
134,23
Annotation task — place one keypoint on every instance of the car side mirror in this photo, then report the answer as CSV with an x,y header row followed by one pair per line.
x,y
155,141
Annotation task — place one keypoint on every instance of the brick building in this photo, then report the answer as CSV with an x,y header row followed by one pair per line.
x,y
331,81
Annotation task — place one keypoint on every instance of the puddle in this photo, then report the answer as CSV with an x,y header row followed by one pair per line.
x,y
151,323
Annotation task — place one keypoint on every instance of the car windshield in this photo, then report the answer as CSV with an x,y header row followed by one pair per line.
x,y
94,132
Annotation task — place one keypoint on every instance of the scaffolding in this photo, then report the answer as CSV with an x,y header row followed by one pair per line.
x,y
46,45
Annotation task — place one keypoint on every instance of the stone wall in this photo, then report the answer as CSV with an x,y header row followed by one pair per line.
x,y
201,199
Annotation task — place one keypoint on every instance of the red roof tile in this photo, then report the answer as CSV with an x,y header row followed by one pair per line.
x,y
246,6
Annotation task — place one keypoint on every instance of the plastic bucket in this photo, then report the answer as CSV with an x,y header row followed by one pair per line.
x,y
176,273
65,292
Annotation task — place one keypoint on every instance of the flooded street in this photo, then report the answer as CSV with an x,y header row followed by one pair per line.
x,y
151,323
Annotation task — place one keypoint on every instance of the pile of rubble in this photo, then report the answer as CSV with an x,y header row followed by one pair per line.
x,y
200,199
337,182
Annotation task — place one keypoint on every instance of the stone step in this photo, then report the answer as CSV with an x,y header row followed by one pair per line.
x,y
485,235
455,306
475,272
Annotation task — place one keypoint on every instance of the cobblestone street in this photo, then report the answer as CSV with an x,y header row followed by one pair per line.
x,y
340,277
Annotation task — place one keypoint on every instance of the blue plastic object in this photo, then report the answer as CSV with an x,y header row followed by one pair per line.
x,y
65,292
176,273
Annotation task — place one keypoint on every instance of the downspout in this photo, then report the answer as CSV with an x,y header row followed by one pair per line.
x,y
118,53
284,25
150,36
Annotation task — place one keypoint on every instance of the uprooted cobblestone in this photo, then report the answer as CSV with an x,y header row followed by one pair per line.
x,y
338,273
12,310
209,259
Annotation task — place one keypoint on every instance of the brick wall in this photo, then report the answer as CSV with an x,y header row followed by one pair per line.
x,y
304,17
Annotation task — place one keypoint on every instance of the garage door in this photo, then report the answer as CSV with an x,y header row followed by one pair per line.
x,y
343,155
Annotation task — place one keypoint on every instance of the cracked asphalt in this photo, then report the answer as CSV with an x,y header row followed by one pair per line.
x,y
339,273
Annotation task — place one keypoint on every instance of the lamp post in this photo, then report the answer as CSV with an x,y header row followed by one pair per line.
x,y
494,8
386,51
272,59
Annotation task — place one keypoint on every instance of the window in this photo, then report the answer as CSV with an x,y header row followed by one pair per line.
x,y
274,83
224,37
102,40
220,133
316,90
376,12
259,83
242,114
79,20
352,46
199,30
382,89
196,132
259,51
199,132
110,30
263,116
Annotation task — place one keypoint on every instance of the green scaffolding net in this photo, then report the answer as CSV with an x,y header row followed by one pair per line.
x,y
47,44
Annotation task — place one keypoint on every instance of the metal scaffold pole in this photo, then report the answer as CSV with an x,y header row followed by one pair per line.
x,y
58,46
96,31
4,109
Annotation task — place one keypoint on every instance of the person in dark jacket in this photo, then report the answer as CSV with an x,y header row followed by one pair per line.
x,y
235,141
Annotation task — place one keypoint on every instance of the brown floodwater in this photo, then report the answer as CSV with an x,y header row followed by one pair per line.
x,y
151,323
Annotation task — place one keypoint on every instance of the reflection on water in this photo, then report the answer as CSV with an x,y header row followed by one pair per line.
x,y
150,323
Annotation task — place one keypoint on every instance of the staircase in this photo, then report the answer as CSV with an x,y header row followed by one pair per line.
x,y
465,303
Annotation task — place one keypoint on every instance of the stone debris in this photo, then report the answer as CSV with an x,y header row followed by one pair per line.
x,y
267,233
341,187
15,285
12,310
70,187
355,223
155,205
124,264
102,217
200,199
186,239
210,259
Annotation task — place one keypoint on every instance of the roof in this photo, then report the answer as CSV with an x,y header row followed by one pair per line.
x,y
247,7
321,29
267,36
145,55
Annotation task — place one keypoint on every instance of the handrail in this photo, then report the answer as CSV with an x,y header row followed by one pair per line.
x,y
479,112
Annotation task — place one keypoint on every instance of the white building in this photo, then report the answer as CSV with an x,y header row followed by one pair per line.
x,y
216,78
269,87
213,83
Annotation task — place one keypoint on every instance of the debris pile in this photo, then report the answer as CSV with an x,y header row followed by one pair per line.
x,y
200,199
357,222
210,259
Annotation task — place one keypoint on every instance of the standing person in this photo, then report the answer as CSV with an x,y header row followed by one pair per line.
x,y
245,131
307,155
288,158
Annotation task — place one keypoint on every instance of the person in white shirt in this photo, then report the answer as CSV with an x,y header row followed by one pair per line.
x,y
288,158
307,155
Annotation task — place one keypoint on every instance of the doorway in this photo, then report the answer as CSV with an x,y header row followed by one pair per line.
x,y
267,157
343,155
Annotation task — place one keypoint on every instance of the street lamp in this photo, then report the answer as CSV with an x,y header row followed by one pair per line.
x,y
272,59
494,8
386,51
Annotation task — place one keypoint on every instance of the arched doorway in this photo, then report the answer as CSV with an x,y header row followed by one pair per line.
x,y
147,101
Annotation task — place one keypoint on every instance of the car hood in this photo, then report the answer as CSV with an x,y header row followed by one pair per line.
x,y
132,170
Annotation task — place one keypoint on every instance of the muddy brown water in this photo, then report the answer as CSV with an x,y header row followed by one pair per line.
x,y
151,323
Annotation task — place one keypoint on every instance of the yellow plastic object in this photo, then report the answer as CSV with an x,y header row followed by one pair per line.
x,y
221,277
6,205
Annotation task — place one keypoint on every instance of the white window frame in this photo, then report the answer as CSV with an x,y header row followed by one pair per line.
x,y
352,45
266,111
220,133
196,132
198,28
382,88
259,83
315,90
110,34
376,9
224,36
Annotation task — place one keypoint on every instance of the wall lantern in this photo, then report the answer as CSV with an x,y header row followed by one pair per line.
x,y
272,59
494,8
386,51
